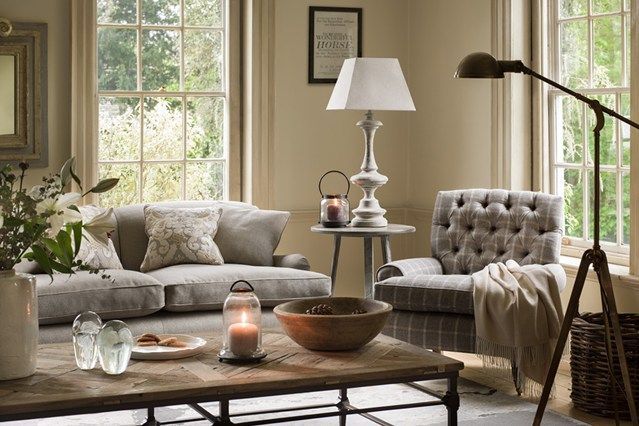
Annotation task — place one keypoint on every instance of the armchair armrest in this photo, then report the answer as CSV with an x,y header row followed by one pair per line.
x,y
410,267
295,261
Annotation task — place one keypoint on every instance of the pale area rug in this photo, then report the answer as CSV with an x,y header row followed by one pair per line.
x,y
480,405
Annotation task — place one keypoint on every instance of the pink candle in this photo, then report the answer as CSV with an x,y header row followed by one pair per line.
x,y
243,337
333,211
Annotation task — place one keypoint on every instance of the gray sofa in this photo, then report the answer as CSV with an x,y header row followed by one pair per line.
x,y
179,298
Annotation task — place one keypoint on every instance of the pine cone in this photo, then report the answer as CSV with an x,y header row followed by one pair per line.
x,y
359,311
320,310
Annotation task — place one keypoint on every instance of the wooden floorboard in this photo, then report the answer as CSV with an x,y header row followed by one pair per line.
x,y
561,404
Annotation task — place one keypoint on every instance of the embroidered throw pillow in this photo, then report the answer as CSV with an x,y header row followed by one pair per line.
x,y
180,235
97,249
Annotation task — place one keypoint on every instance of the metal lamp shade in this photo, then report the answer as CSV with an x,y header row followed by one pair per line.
x,y
479,65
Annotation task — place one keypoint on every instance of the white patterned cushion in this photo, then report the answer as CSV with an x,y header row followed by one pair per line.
x,y
92,252
179,236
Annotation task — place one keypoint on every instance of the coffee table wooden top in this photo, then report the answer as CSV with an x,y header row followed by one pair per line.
x,y
59,387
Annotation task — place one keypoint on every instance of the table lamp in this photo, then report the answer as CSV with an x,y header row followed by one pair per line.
x,y
484,65
369,84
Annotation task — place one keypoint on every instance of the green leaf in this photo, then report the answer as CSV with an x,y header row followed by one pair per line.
x,y
77,237
64,241
66,170
40,256
59,267
53,247
104,185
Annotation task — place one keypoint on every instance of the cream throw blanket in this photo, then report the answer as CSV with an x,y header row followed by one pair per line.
x,y
518,316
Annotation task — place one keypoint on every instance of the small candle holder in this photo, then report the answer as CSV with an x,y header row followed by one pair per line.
x,y
242,315
334,208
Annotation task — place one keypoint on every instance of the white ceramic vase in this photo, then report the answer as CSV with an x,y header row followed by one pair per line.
x,y
18,325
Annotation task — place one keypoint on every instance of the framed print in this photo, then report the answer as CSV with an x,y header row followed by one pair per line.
x,y
335,34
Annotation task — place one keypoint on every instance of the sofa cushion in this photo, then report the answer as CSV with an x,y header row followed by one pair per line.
x,y
428,293
204,287
128,294
250,237
179,236
130,239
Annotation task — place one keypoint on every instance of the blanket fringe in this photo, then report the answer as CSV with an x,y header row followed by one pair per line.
x,y
501,359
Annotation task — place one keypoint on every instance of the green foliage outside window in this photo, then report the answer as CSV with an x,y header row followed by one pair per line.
x,y
161,146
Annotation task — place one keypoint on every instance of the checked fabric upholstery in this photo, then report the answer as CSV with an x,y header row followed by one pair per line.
x,y
433,297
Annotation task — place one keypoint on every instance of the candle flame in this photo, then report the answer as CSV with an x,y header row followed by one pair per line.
x,y
244,318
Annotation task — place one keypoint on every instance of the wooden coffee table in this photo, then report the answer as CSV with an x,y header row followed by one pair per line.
x,y
59,388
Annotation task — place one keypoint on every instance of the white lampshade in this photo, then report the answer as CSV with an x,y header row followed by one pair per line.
x,y
371,84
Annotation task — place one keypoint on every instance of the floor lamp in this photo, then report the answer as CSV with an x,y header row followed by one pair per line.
x,y
483,65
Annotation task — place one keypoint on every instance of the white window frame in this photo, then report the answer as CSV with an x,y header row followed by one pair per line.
x,y
619,251
85,95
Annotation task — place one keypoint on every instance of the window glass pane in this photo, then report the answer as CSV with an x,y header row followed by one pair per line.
x,y
119,134
607,51
205,128
625,129
625,184
161,181
608,216
203,60
205,181
626,4
117,11
127,190
570,129
608,138
160,12
568,8
570,182
574,53
206,13
163,131
117,59
606,6
161,60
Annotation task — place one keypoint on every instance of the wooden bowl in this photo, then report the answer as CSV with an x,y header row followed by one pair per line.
x,y
339,332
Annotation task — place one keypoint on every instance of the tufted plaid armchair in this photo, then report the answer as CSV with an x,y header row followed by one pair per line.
x,y
433,297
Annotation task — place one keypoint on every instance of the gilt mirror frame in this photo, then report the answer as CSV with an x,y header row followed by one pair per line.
x,y
27,43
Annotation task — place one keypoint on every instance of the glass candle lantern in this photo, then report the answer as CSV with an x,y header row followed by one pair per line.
x,y
334,208
242,316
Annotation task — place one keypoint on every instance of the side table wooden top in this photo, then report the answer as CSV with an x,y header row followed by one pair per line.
x,y
352,231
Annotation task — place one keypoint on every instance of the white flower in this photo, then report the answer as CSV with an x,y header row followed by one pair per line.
x,y
100,225
60,212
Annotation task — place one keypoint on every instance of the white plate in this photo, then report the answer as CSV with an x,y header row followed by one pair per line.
x,y
194,346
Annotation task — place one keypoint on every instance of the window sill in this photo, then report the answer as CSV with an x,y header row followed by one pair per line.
x,y
620,274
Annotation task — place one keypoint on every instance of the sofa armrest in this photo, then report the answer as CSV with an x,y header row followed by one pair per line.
x,y
410,267
295,261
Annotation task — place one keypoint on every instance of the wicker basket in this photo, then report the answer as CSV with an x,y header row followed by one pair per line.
x,y
592,389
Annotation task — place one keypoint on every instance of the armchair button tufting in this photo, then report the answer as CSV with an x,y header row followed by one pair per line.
x,y
455,249
501,252
447,225
479,251
493,229
542,231
533,208
526,253
470,227
460,203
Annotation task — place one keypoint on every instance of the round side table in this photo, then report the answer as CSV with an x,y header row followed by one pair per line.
x,y
367,234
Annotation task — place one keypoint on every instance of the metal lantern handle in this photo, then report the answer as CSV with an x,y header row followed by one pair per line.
x,y
319,185
240,282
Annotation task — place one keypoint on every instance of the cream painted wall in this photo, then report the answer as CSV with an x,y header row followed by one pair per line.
x,y
308,140
56,14
450,133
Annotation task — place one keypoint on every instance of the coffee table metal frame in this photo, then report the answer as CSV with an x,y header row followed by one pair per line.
x,y
449,399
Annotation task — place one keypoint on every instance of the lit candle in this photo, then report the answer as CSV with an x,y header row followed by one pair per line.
x,y
243,337
333,210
